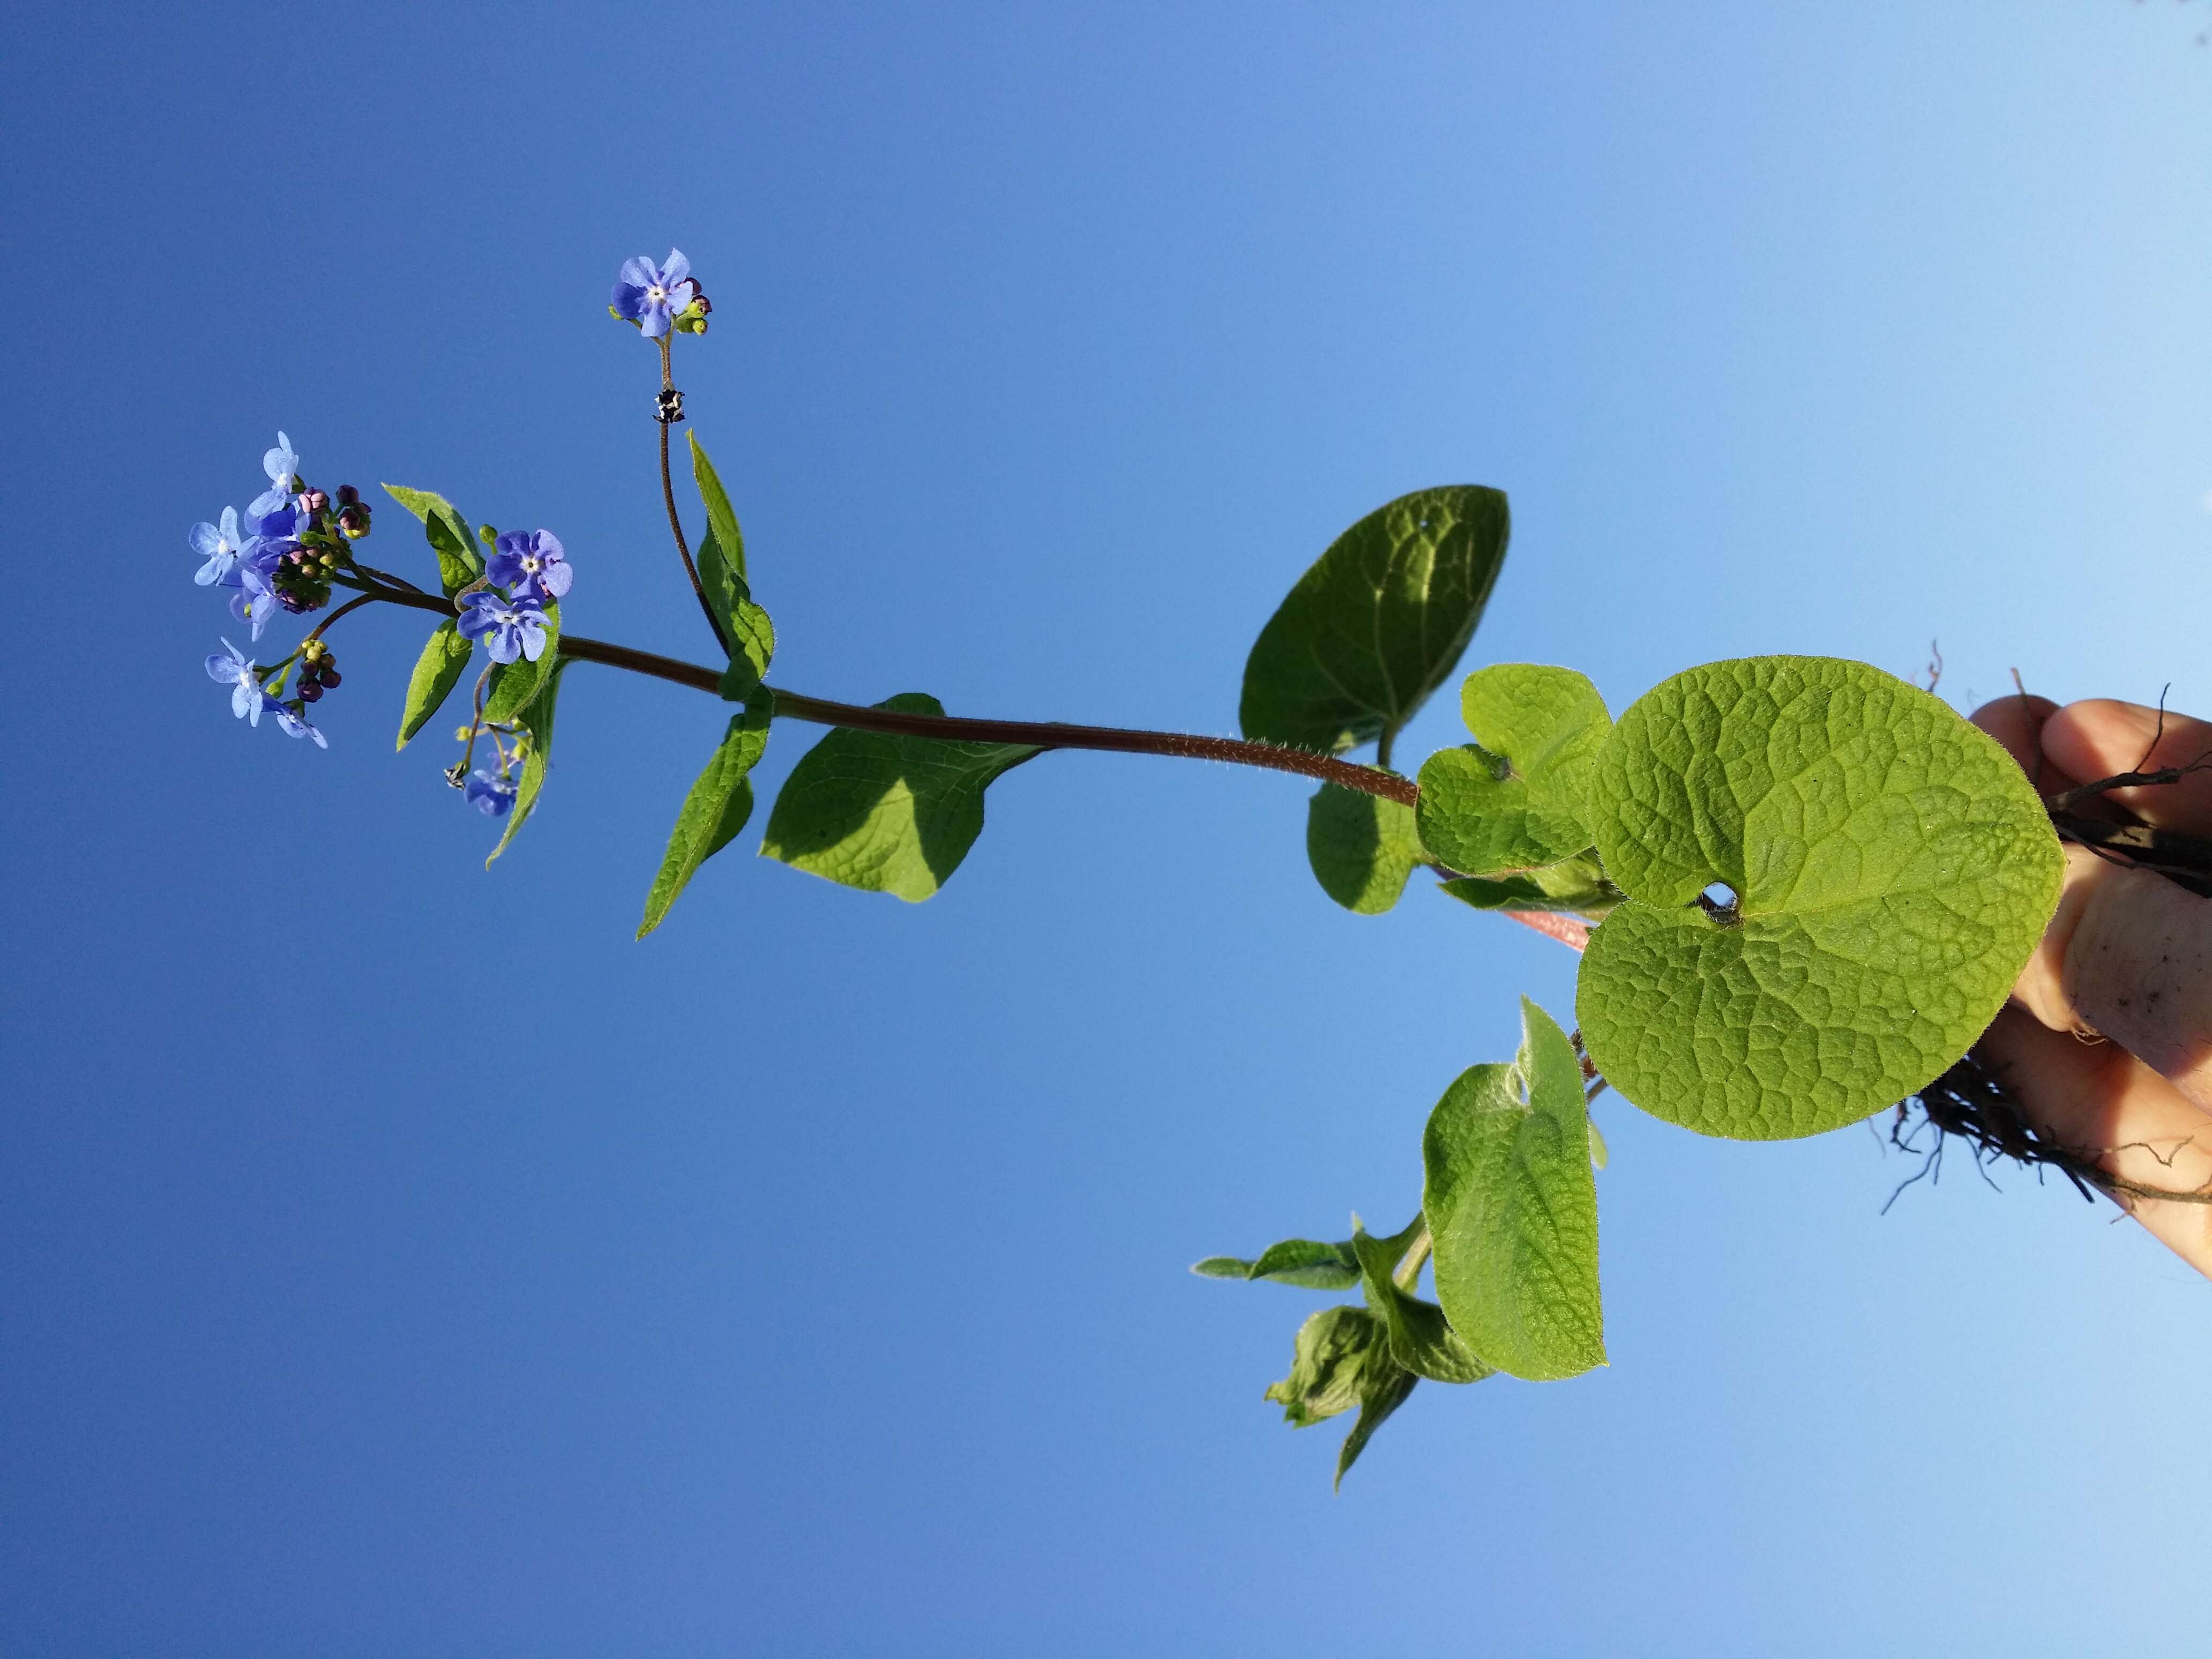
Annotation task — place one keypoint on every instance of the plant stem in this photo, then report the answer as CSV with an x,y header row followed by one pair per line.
x,y
668,494
1042,734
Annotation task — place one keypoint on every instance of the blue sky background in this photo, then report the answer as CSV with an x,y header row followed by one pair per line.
x,y
395,1257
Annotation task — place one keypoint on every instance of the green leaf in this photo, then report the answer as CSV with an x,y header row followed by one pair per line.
x,y
1342,1359
885,813
1421,1338
514,685
1521,797
1302,1261
716,809
1333,1348
459,564
1513,1209
1383,1389
1892,868
537,720
722,576
444,660
1377,623
746,624
721,518
1577,886
1362,847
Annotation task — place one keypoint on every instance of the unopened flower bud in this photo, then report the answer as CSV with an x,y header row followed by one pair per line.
x,y
486,535
329,677
353,521
348,494
309,690
313,650
314,501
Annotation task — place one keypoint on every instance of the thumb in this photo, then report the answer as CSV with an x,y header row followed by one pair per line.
x,y
2129,955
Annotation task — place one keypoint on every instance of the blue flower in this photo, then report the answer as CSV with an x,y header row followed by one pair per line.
x,y
279,524
292,724
222,546
282,464
255,602
509,628
649,296
236,670
530,565
491,796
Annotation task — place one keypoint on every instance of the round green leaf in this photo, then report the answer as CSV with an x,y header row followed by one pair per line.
x,y
1891,869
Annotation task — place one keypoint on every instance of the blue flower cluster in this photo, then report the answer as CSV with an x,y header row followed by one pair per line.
x,y
283,554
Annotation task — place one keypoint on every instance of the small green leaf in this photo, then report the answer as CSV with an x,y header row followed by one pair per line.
x,y
1520,798
1302,1261
1421,1338
1577,886
745,624
886,813
1333,1348
1891,869
459,564
1362,847
1342,1359
537,720
716,809
1383,1389
721,518
444,660
1377,623
515,685
722,576
1510,1200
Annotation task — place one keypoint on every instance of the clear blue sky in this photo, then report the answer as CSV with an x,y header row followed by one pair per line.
x,y
397,1258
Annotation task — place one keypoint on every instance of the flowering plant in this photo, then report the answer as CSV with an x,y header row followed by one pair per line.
x,y
1802,888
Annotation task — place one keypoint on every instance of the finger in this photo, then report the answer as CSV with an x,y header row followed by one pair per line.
x,y
2099,738
2017,723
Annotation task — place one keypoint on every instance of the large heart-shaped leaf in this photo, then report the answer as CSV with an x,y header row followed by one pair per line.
x,y
1889,869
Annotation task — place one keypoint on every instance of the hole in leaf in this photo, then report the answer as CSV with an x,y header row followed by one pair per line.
x,y
1718,901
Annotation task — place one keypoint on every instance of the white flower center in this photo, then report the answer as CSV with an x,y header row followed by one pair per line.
x,y
657,294
529,564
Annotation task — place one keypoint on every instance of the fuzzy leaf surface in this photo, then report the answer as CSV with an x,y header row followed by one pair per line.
x,y
1362,847
715,810
459,562
1376,623
1519,796
537,720
514,685
1303,1261
886,813
1892,869
1513,1209
444,660
1421,1338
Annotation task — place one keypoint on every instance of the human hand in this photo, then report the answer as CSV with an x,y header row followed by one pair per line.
x,y
2106,1044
